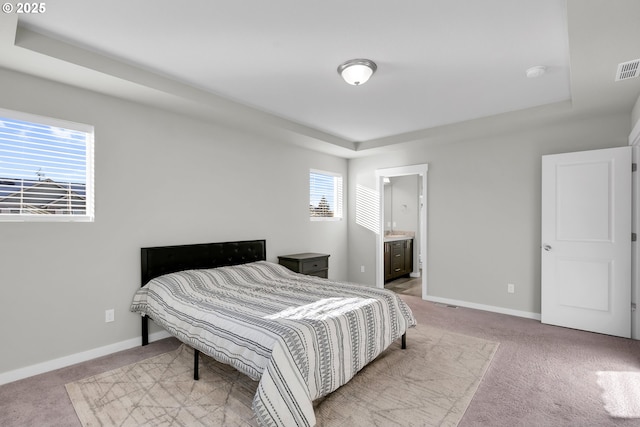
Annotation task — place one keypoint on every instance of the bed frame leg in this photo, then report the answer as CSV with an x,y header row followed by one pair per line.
x,y
145,330
404,341
196,359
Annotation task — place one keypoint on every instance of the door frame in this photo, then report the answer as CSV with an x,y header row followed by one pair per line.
x,y
420,170
634,142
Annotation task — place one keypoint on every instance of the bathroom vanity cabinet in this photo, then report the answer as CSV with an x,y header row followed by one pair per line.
x,y
398,258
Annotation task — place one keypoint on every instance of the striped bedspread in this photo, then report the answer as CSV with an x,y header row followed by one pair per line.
x,y
300,336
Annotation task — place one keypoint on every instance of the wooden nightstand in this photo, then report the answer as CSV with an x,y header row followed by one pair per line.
x,y
307,263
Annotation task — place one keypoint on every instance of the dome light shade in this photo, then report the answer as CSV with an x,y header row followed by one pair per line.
x,y
357,71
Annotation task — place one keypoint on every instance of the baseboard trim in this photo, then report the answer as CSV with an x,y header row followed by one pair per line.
x,y
492,308
62,362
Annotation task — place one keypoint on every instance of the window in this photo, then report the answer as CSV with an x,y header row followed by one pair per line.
x,y
325,195
46,169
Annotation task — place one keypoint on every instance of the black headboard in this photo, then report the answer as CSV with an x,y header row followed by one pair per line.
x,y
169,259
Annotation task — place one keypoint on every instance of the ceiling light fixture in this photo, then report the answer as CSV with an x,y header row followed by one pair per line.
x,y
536,71
357,71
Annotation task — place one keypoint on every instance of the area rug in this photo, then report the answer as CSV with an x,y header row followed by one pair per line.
x,y
620,393
431,383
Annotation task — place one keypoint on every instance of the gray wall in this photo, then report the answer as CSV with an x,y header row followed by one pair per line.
x,y
483,209
161,178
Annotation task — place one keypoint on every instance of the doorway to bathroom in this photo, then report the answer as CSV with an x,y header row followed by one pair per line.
x,y
401,244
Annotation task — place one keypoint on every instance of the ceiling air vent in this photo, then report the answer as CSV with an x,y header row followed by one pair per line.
x,y
628,70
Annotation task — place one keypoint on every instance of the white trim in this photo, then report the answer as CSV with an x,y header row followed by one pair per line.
x,y
24,160
49,121
338,196
634,141
403,170
491,308
40,368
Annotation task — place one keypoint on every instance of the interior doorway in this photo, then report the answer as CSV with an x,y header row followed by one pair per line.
x,y
420,237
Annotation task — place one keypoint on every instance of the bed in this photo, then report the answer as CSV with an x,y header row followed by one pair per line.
x,y
300,336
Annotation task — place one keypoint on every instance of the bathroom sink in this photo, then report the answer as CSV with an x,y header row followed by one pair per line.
x,y
392,237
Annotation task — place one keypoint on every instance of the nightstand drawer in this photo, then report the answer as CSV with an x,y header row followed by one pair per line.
x,y
314,265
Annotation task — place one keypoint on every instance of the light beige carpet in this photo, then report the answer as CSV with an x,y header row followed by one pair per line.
x,y
429,384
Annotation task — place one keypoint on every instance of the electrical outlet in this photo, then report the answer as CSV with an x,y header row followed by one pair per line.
x,y
109,315
362,269
511,288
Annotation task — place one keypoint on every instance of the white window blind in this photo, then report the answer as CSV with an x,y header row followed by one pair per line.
x,y
325,195
46,169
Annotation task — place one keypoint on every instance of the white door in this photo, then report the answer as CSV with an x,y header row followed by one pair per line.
x,y
586,240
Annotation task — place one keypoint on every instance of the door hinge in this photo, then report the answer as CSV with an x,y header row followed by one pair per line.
x,y
634,167
634,237
633,306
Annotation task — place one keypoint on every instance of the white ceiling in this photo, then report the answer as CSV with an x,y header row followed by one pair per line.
x,y
440,62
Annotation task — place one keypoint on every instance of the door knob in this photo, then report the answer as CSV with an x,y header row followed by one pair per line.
x,y
546,247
